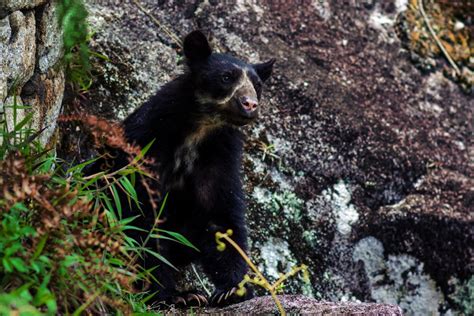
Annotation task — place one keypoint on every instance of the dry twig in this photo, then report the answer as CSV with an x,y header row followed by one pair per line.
x,y
172,35
438,42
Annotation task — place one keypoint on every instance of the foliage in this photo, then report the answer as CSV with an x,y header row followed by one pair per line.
x,y
63,247
258,278
268,150
72,18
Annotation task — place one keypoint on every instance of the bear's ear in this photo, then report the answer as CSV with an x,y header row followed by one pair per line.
x,y
264,70
196,47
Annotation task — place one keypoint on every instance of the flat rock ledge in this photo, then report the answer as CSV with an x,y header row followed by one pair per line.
x,y
300,304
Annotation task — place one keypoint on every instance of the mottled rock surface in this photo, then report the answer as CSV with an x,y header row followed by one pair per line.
x,y
9,6
19,48
30,70
361,165
49,37
299,304
46,100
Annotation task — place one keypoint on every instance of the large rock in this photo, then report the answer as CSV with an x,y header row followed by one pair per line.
x,y
298,304
8,6
30,71
360,165
18,48
5,33
44,93
17,60
50,38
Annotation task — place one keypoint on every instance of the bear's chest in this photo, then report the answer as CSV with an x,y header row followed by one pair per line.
x,y
188,156
185,158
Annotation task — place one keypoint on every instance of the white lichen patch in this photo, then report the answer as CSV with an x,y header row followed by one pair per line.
x,y
281,146
244,6
323,8
398,279
284,203
401,5
434,84
346,215
380,21
430,108
310,238
384,22
99,16
282,180
257,129
258,166
261,195
277,258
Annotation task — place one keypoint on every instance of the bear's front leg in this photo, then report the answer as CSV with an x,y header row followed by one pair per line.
x,y
227,268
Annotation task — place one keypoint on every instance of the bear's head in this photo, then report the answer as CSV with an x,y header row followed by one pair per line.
x,y
223,85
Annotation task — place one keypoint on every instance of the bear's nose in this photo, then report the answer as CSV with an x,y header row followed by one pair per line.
x,y
249,104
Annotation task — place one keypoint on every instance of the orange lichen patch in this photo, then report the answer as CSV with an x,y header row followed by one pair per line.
x,y
446,20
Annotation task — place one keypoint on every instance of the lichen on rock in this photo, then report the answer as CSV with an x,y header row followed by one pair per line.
x,y
398,279
50,38
19,50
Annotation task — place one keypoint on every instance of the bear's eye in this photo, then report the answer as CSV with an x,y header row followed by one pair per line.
x,y
226,77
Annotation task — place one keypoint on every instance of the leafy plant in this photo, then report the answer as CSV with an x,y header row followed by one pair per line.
x,y
63,242
258,278
72,18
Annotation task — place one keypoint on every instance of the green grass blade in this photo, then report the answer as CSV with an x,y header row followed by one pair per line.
x,y
179,238
160,257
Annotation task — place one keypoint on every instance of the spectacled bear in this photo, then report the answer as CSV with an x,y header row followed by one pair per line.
x,y
193,121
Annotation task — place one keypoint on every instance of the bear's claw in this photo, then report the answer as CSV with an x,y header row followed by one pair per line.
x,y
223,298
189,299
199,299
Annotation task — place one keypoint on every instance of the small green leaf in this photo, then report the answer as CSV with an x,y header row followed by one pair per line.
x,y
160,257
7,265
130,190
128,220
13,249
81,165
177,237
23,122
40,247
70,260
143,151
162,206
19,264
20,206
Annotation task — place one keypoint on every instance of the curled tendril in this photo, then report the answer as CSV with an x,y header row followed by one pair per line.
x,y
241,286
220,244
241,291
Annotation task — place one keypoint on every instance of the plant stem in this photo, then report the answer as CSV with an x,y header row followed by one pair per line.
x,y
266,285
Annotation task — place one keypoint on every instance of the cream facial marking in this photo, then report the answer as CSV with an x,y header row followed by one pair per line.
x,y
243,87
